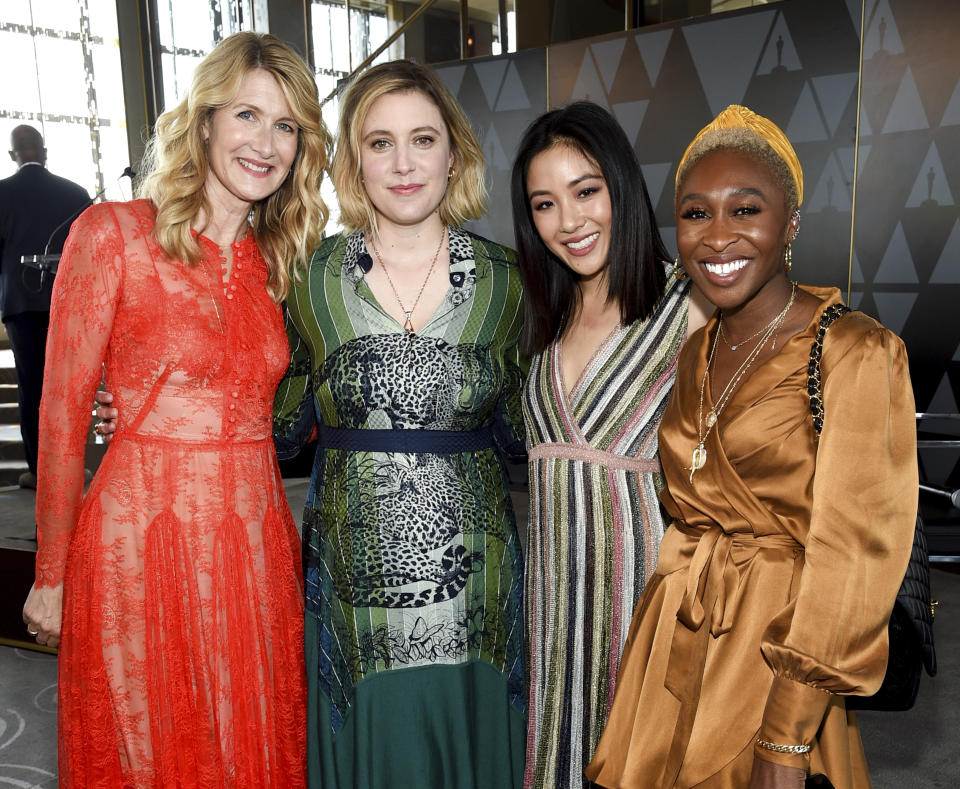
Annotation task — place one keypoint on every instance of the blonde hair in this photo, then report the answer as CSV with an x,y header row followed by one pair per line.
x,y
465,197
288,224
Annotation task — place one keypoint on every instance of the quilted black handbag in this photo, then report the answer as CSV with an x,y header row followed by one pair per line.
x,y
911,622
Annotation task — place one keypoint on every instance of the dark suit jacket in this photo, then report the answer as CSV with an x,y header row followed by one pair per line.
x,y
32,203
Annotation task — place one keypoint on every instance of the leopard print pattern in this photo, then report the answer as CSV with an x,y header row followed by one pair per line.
x,y
402,547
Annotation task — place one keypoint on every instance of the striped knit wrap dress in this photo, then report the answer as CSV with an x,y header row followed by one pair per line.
x,y
595,525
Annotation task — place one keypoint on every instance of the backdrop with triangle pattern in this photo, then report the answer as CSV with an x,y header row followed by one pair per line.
x,y
797,62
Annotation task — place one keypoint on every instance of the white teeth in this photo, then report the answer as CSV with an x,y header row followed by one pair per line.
x,y
252,166
583,243
725,268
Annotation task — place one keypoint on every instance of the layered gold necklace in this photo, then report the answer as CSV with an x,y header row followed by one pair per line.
x,y
704,426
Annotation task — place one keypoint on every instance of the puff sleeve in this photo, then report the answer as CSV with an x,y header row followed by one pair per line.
x,y
832,638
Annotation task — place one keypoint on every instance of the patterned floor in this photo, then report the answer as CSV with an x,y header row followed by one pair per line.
x,y
28,719
909,750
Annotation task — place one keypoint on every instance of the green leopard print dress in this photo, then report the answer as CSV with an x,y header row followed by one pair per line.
x,y
412,562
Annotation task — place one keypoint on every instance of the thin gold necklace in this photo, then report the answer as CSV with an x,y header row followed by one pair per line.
x,y
699,457
734,346
208,281
408,323
208,277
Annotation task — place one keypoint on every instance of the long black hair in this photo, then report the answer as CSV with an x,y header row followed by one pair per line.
x,y
635,262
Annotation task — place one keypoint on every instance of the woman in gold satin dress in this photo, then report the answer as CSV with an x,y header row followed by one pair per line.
x,y
776,581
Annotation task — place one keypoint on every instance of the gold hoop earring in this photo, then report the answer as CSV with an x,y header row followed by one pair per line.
x,y
788,257
452,172
680,272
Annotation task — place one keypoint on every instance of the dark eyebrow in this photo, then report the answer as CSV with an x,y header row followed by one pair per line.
x,y
745,190
574,182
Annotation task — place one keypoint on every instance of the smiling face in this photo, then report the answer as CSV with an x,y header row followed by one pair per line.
x,y
405,157
732,226
570,204
251,143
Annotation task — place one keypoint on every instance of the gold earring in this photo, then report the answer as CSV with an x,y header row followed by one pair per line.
x,y
788,257
681,274
451,173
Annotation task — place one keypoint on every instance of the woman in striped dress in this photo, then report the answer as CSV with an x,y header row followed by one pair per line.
x,y
610,320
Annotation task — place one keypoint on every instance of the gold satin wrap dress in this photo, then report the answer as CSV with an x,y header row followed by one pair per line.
x,y
777,577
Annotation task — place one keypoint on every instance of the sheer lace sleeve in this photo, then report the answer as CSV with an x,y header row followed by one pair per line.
x,y
85,298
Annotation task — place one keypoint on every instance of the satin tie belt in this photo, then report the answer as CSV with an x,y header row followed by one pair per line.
x,y
588,454
708,608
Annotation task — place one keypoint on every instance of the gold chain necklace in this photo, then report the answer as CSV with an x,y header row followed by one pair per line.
x,y
408,323
208,277
740,344
208,281
699,457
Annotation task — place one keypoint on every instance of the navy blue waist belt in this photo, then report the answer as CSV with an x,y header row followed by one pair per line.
x,y
441,442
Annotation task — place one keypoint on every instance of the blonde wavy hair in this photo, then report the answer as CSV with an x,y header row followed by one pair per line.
x,y
288,225
465,197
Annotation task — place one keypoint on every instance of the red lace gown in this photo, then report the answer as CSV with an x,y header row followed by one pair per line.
x,y
181,661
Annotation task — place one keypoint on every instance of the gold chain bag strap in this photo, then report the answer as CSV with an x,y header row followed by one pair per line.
x,y
911,622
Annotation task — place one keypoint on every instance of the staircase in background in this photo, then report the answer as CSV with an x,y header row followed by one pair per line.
x,y
12,460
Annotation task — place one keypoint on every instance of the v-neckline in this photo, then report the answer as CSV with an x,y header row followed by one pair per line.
x,y
804,335
572,395
370,297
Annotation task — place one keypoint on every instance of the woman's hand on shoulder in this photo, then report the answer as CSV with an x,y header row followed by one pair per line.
x,y
770,775
42,614
107,416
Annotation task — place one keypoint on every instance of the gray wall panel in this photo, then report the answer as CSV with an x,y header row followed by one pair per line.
x,y
798,63
501,96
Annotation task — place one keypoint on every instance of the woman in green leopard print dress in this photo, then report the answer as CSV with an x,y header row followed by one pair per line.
x,y
412,562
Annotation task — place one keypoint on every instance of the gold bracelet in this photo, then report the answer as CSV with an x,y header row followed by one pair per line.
x,y
777,748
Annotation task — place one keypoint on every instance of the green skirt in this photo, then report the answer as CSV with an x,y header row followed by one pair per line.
x,y
428,727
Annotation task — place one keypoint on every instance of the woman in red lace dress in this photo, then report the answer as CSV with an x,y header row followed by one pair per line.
x,y
176,577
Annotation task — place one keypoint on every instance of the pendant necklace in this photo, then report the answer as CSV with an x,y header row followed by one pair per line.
x,y
408,322
704,426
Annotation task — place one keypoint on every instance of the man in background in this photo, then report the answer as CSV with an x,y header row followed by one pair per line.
x,y
33,203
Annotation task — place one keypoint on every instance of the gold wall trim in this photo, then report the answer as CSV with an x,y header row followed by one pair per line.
x,y
856,150
547,61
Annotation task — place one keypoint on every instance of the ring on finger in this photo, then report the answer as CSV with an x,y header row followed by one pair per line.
x,y
33,632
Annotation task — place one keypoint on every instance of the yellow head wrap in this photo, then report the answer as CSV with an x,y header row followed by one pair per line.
x,y
737,117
